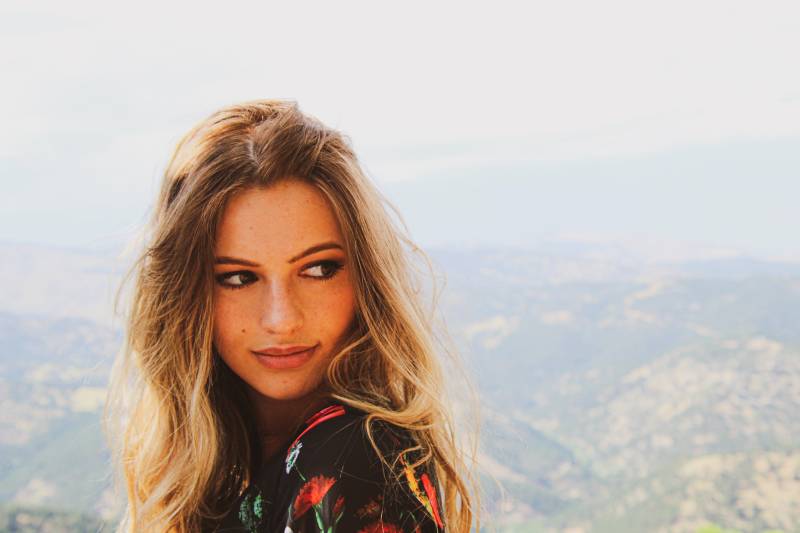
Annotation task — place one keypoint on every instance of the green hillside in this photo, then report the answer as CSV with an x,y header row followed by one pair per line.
x,y
617,399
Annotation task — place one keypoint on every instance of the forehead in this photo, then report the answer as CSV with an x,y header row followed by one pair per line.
x,y
279,220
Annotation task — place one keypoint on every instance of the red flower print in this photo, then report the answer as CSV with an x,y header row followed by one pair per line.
x,y
380,527
311,494
428,498
337,507
431,492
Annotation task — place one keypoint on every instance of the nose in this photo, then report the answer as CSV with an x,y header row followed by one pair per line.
x,y
281,313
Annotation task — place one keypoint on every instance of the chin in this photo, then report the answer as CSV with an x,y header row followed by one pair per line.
x,y
286,393
283,396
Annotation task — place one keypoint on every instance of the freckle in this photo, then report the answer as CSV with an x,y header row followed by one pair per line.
x,y
242,330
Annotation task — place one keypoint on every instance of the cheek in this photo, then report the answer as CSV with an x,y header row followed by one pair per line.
x,y
339,310
228,322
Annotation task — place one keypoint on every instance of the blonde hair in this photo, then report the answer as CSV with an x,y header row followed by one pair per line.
x,y
179,427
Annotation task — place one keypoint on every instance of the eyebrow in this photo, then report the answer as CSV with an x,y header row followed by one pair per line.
x,y
226,260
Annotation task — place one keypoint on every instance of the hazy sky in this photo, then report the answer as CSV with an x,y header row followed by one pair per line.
x,y
485,122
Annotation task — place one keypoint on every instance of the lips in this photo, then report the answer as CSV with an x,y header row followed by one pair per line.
x,y
285,361
279,351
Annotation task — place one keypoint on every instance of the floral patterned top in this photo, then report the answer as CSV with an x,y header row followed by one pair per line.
x,y
330,480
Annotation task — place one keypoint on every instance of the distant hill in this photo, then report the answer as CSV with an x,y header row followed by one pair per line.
x,y
621,394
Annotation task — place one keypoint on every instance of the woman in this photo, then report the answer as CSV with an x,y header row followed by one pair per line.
x,y
279,372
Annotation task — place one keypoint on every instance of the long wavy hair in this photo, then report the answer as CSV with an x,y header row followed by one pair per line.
x,y
179,426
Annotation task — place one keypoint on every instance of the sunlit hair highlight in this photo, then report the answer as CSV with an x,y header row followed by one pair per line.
x,y
177,419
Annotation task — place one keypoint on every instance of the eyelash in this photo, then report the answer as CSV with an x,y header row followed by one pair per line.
x,y
334,266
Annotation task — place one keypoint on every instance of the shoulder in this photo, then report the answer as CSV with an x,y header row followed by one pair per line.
x,y
335,475
342,444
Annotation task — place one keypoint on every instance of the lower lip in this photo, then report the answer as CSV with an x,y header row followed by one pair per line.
x,y
282,362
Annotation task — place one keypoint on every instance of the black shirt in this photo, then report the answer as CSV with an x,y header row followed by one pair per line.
x,y
331,480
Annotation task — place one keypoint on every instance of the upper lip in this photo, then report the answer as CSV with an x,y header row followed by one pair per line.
x,y
284,349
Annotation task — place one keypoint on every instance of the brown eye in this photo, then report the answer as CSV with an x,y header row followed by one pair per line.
x,y
236,280
324,270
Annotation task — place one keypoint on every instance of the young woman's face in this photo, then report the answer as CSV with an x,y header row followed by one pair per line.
x,y
282,280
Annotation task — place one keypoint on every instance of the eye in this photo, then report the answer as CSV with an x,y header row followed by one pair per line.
x,y
236,280
325,269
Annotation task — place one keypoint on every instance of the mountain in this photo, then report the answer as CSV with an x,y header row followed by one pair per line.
x,y
622,391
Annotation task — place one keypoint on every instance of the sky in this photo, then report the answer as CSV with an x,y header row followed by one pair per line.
x,y
484,122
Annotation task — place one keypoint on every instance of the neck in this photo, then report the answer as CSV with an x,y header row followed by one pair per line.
x,y
277,420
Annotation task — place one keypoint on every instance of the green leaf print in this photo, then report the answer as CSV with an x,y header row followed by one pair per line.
x,y
251,511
